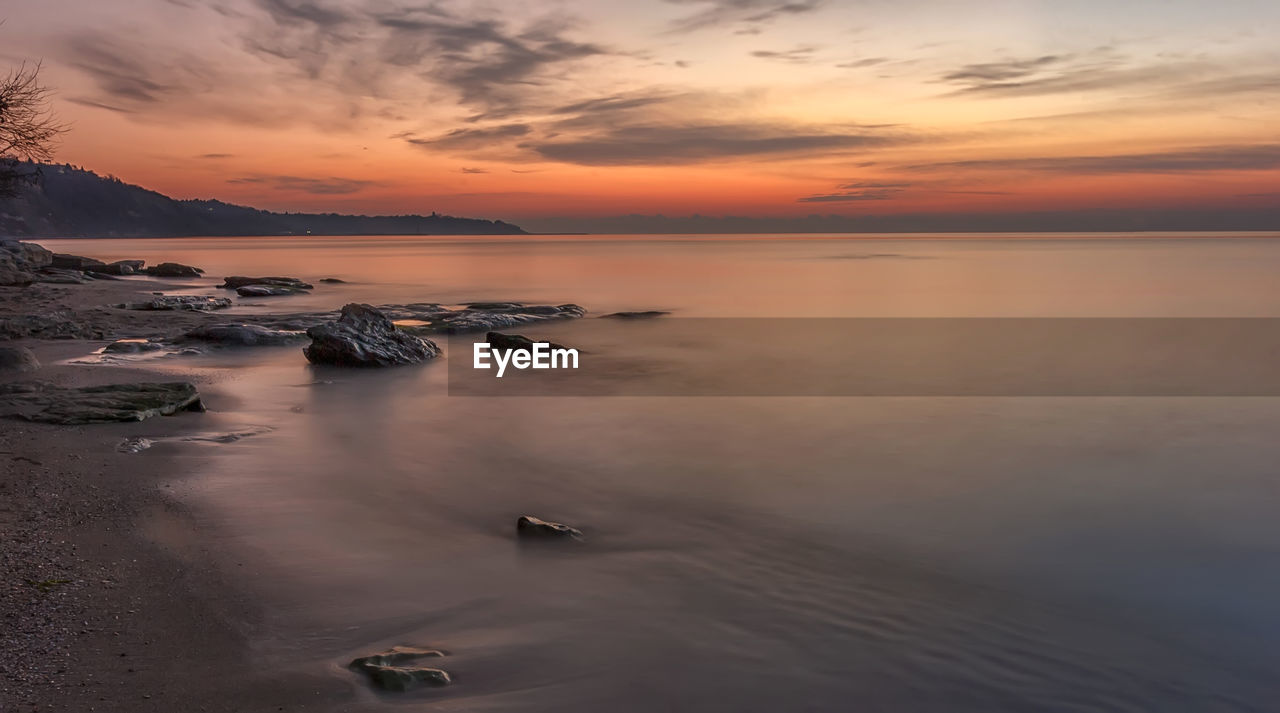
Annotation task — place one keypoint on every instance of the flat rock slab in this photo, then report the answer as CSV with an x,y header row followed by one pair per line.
x,y
47,403
270,290
238,281
194,303
245,335
395,669
647,314
173,269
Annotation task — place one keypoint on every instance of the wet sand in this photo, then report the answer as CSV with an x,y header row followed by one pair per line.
x,y
111,598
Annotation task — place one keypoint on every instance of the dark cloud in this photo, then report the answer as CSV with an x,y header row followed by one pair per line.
x,y
795,55
465,169
471,138
215,155
685,144
1251,157
849,196
315,186
122,74
716,13
981,74
617,102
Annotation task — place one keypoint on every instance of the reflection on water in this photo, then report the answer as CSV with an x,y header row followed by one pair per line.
x,y
765,554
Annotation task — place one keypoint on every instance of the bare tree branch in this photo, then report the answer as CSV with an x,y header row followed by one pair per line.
x,y
28,128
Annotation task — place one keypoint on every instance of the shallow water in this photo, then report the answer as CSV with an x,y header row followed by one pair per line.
x,y
749,553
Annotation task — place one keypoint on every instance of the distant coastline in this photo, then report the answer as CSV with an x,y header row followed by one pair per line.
x,y
72,202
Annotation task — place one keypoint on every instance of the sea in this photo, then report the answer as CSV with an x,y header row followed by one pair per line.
x,y
749,550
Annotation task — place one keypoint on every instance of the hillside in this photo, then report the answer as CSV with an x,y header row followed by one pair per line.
x,y
73,202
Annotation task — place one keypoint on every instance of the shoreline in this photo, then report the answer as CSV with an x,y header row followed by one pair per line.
x,y
114,598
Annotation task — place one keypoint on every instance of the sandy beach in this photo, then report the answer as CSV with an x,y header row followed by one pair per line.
x,y
111,599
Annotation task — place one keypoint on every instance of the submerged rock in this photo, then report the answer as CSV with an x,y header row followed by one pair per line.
x,y
268,291
333,281
47,403
648,314
486,316
136,444
238,281
531,527
131,346
363,336
18,359
503,342
244,335
195,303
173,269
392,670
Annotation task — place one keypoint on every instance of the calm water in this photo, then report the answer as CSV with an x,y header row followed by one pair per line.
x,y
757,554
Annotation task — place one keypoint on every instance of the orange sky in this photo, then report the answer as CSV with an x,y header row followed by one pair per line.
x,y
573,109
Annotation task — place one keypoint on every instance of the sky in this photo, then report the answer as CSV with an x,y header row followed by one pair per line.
x,y
592,115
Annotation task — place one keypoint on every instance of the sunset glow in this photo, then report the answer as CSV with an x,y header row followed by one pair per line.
x,y
553,114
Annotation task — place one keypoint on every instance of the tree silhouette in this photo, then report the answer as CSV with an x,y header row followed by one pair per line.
x,y
28,128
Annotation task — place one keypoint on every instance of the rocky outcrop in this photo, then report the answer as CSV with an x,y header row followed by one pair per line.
x,y
64,261
529,527
17,359
173,269
363,336
395,669
244,335
62,276
46,403
333,280
193,303
20,261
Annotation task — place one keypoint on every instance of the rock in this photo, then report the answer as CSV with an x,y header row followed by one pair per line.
x,y
122,267
17,359
363,336
27,255
392,670
237,281
64,261
19,262
136,444
531,527
131,346
193,303
173,269
503,342
57,325
244,335
61,276
333,281
268,291
46,403
493,315
650,314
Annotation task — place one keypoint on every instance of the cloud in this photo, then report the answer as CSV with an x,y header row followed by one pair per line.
x,y
796,55
1248,157
716,13
861,63
471,138
215,155
314,186
474,171
694,143
859,191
